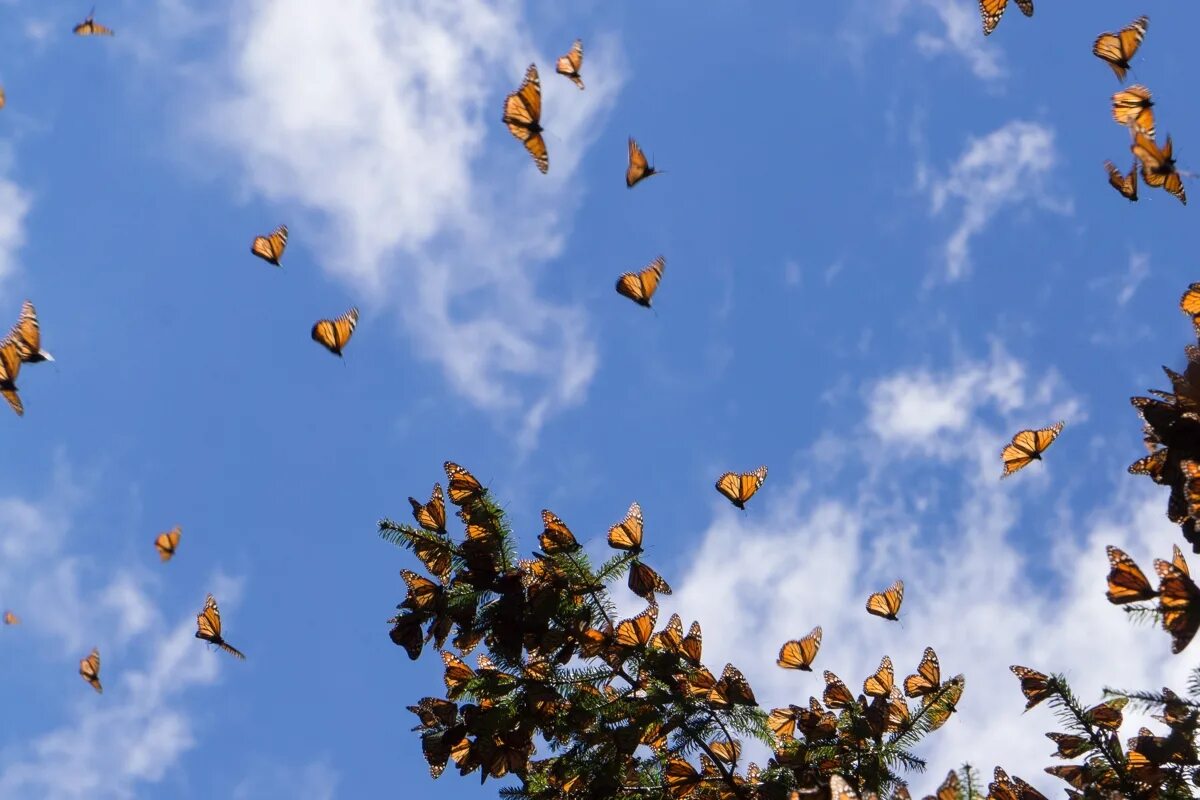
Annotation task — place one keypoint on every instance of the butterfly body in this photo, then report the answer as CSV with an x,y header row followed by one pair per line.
x,y
639,168
89,27
89,668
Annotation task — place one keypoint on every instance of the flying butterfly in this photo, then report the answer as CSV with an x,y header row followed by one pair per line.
x,y
1189,304
950,788
27,336
89,668
993,10
946,702
1036,686
432,515
740,487
627,534
1158,166
10,366
334,334
839,789
208,627
11,619
837,694
571,63
1127,185
636,631
556,537
799,653
270,247
639,169
886,604
640,286
881,682
732,688
89,27
1131,108
645,582
3,97
1126,581
1117,48
166,543
1179,601
464,488
928,677
1027,446
523,116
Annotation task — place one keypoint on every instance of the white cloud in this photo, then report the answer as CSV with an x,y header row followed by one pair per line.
x,y
1139,270
1005,169
988,583
315,781
383,119
14,207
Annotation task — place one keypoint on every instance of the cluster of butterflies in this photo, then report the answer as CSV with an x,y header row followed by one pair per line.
x,y
523,116
1178,596
208,621
1145,759
1131,108
1002,787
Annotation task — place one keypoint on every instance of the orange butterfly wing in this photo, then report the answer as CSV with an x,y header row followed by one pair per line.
x,y
166,543
570,64
523,115
799,653
641,286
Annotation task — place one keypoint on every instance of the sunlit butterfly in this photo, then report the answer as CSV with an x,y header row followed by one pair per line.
x,y
1131,108
10,366
1027,446
627,534
799,653
27,336
1179,602
523,116
1125,184
639,169
837,694
993,10
1126,581
334,334
166,543
740,487
1158,166
89,668
463,487
645,582
1117,48
928,677
208,627
432,515
636,631
571,63
886,604
640,286
880,683
556,537
270,247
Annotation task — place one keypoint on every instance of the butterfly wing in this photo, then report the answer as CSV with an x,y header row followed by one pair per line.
x,y
166,543
1127,186
464,488
638,168
627,534
270,247
928,677
991,11
886,604
645,582
571,63
881,682
523,114
799,653
89,668
1126,581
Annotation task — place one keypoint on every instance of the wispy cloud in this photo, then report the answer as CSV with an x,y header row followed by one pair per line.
x,y
383,118
984,587
1007,168
1139,270
14,207
314,781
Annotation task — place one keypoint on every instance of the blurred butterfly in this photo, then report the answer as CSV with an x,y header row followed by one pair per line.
x,y
333,334
639,169
11,619
837,694
89,27
1117,48
1107,715
928,677
1069,745
1126,581
1158,166
523,116
839,789
463,487
89,668
570,64
1131,108
270,247
641,286
1189,304
1179,601
993,10
880,684
208,627
627,534
739,488
166,543
946,702
10,366
556,537
799,653
27,336
432,515
406,632
645,582
950,788
1027,446
1125,184
886,604
1036,686
1004,788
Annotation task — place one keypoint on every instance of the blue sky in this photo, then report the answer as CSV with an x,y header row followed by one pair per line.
x,y
889,243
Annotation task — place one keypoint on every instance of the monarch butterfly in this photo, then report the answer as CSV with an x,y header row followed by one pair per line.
x,y
1106,715
1179,601
270,247
680,778
1069,745
10,366
432,515
880,683
570,64
457,676
1126,581
1189,303
741,487
464,488
837,694
406,632
1117,48
1131,108
26,335
645,582
1005,788
1026,446
641,286
946,702
732,688
1036,686
423,594
208,627
1158,166
636,631
523,116
993,10
799,653
886,604
627,534
728,751
434,554
928,677
11,619
333,334
639,169
556,537
89,27
1125,184
166,543
89,668
435,712
949,790
839,789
